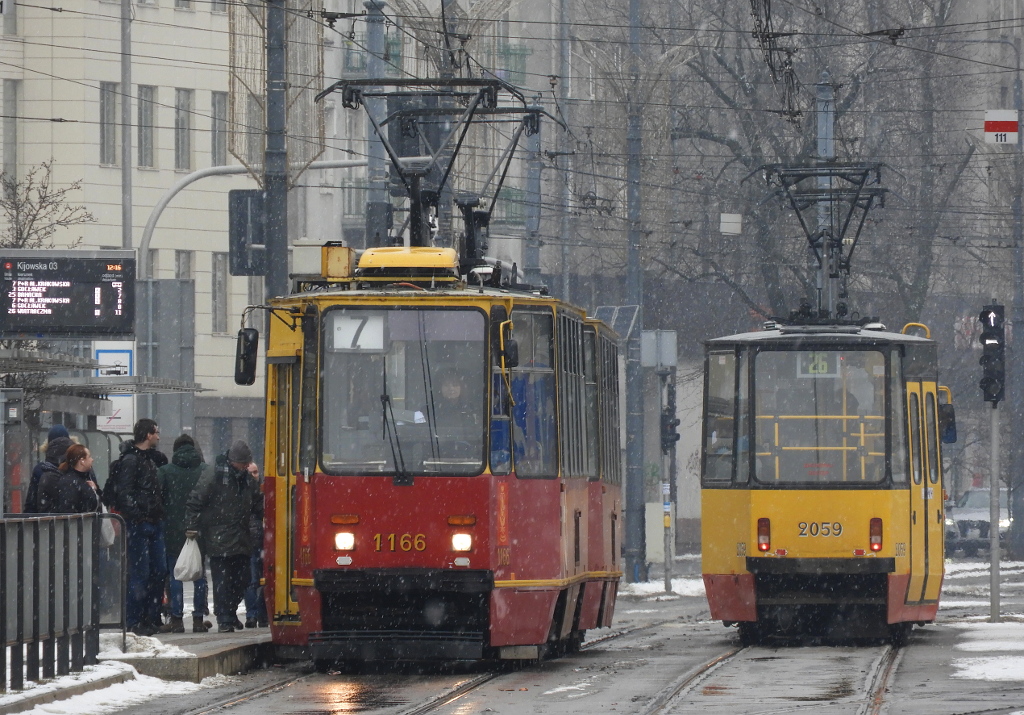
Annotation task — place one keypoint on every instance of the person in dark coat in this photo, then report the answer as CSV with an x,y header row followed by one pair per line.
x,y
219,512
255,604
70,488
31,505
177,480
140,503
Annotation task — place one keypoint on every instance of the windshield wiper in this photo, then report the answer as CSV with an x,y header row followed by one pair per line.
x,y
390,427
428,389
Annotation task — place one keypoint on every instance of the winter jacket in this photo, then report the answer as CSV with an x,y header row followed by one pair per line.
x,y
222,508
57,443
138,493
177,480
66,492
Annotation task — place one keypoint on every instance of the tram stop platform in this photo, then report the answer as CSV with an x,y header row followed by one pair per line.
x,y
194,656
168,656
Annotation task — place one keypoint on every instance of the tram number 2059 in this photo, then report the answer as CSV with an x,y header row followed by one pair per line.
x,y
820,528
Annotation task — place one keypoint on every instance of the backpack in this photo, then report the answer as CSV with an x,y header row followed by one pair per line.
x,y
112,485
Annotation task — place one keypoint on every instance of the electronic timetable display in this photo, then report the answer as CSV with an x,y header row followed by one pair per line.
x,y
67,294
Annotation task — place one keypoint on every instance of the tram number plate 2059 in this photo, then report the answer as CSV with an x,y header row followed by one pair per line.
x,y
820,528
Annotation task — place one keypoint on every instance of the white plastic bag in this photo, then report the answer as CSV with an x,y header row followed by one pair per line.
x,y
107,534
189,566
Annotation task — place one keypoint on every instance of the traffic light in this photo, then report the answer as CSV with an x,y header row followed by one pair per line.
x,y
993,350
669,433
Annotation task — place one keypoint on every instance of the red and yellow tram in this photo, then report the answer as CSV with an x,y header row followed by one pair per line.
x,y
442,464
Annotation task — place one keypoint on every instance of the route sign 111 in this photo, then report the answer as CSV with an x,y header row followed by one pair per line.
x,y
64,295
1002,126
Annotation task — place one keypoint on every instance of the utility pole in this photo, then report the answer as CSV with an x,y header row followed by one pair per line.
x,y
378,208
531,249
275,161
636,514
563,149
1016,393
825,106
444,200
126,124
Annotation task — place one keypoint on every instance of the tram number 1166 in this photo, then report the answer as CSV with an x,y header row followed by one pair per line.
x,y
399,542
820,528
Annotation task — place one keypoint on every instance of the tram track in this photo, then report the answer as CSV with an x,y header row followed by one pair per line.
x,y
872,702
879,683
678,688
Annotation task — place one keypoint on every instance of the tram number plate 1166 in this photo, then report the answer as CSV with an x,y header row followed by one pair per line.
x,y
820,528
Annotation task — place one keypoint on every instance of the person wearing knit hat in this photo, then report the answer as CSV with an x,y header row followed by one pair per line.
x,y
219,512
177,480
57,432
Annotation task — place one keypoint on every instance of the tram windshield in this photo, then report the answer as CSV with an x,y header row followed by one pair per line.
x,y
819,416
403,391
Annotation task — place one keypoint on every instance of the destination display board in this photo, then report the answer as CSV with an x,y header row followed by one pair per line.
x,y
67,294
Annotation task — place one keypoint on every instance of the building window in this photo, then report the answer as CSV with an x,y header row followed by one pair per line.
x,y
219,293
147,125
219,129
183,129
254,135
183,265
219,6
393,55
108,123
183,4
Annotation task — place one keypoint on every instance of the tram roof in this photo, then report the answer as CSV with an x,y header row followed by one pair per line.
x,y
866,335
410,294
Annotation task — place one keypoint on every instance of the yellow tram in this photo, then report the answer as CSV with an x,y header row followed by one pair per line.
x,y
822,500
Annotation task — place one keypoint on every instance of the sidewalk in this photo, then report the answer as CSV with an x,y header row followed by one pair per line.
x,y
175,663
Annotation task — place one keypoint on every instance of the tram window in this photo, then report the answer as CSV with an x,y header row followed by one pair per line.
x,y
897,418
500,428
742,411
819,416
282,415
534,417
915,438
931,438
720,417
404,391
592,412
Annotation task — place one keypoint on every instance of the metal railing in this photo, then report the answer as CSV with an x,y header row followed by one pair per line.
x,y
62,579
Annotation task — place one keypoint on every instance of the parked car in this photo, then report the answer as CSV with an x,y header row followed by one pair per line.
x,y
967,522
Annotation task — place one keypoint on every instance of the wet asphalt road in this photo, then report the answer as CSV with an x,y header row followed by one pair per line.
x,y
657,665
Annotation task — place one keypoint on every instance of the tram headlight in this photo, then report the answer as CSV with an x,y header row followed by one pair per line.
x,y
462,542
344,541
950,521
1004,523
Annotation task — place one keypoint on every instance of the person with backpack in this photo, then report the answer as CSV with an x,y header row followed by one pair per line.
x,y
177,480
134,488
219,512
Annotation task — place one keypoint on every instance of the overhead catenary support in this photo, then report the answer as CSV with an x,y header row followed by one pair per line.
x,y
636,518
275,176
377,204
126,124
531,245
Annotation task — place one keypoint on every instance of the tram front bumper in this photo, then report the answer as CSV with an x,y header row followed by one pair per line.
x,y
402,614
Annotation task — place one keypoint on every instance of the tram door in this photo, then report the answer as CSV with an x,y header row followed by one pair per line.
x,y
925,494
